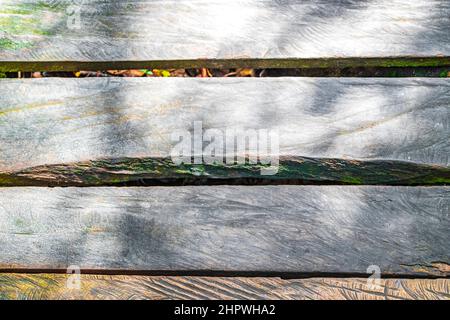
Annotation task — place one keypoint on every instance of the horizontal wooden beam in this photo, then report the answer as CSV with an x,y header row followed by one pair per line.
x,y
265,33
402,231
96,287
89,132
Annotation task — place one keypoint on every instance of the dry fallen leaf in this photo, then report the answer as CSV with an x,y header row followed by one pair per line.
x,y
116,72
243,72
246,72
134,73
178,73
127,73
161,73
36,75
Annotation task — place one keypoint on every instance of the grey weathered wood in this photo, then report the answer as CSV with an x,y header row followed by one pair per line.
x,y
216,30
402,230
97,287
88,131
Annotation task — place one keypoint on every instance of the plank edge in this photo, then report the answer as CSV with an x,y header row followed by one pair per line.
x,y
288,63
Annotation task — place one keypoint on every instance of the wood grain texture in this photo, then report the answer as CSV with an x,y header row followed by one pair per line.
x,y
287,229
147,30
94,287
109,131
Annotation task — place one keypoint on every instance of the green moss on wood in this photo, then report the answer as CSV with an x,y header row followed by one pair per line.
x,y
14,26
11,45
26,19
352,180
297,170
15,66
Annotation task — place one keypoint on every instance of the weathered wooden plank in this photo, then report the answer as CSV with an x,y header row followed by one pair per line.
x,y
185,31
286,229
290,170
109,131
95,287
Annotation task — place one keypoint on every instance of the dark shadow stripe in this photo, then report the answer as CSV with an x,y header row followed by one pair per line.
x,y
350,72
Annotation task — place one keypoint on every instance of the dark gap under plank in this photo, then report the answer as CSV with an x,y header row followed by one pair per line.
x,y
93,287
388,72
288,229
37,35
377,72
291,170
111,131
437,270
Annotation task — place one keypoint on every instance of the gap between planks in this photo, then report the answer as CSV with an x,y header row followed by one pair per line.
x,y
325,63
434,271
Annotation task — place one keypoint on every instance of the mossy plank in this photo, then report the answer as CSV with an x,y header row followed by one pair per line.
x,y
62,132
284,230
60,34
290,170
98,287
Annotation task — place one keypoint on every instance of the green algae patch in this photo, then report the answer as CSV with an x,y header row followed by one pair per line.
x,y
11,45
352,180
